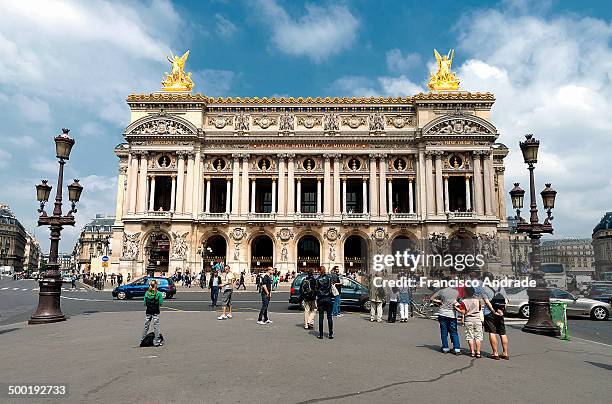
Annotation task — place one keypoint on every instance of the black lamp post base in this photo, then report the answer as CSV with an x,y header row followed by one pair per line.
x,y
540,320
48,310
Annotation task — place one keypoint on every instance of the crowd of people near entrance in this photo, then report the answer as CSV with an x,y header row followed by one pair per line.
x,y
479,309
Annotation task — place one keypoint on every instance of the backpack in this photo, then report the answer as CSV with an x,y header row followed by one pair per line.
x,y
148,339
498,301
306,290
324,289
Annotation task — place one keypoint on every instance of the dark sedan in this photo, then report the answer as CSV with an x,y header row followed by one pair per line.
x,y
352,294
139,287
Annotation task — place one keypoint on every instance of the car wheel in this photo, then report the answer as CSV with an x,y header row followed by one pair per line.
x,y
524,311
164,295
121,296
599,313
367,305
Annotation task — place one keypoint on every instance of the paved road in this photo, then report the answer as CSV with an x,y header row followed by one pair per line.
x,y
18,300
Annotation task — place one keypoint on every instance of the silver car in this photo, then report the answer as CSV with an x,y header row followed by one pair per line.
x,y
518,303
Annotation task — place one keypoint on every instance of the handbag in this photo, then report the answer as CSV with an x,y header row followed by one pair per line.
x,y
334,291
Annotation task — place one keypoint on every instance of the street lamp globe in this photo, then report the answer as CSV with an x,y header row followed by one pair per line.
x,y
517,194
43,190
63,145
530,149
548,197
74,191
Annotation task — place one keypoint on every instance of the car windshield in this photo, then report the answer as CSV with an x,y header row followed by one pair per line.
x,y
514,291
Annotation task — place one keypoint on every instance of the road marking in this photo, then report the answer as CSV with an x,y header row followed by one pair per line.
x,y
15,288
24,289
85,300
171,308
588,340
4,289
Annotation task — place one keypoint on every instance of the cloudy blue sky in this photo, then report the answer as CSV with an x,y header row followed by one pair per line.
x,y
72,63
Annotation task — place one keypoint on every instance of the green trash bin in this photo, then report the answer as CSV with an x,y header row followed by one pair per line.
x,y
558,312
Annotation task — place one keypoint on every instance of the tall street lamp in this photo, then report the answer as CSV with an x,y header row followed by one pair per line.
x,y
540,321
48,310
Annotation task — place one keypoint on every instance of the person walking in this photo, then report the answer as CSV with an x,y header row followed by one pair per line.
x,y
404,303
377,297
393,299
471,308
324,302
73,279
447,298
202,279
338,284
266,295
308,297
493,310
258,281
213,284
152,300
119,279
228,288
241,281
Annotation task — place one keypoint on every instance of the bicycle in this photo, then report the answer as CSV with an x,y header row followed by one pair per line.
x,y
425,309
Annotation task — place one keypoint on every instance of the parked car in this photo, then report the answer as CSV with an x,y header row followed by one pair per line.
x,y
352,294
518,303
603,293
139,287
66,278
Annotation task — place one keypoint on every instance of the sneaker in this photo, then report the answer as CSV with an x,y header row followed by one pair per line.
x,y
311,327
269,322
261,323
379,321
221,317
445,350
371,320
306,327
340,315
457,352
229,316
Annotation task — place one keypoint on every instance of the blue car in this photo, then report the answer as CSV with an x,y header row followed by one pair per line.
x,y
139,287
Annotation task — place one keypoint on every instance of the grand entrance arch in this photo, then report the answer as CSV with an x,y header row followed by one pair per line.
x,y
400,244
214,249
157,254
355,254
308,253
262,253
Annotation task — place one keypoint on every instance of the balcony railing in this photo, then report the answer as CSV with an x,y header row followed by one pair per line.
x,y
308,216
356,217
262,216
460,216
402,217
214,217
157,216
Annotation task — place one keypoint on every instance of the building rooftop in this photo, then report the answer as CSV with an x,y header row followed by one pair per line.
x,y
605,223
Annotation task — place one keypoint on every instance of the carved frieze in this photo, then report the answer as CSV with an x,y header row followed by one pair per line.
x,y
354,121
377,122
130,246
309,121
264,121
459,126
242,122
179,245
161,126
399,121
286,122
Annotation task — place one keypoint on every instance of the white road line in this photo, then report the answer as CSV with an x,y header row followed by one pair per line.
x,y
15,288
24,289
588,340
4,289
35,290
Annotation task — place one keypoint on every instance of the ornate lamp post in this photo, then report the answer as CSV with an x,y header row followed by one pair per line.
x,y
48,310
203,253
540,321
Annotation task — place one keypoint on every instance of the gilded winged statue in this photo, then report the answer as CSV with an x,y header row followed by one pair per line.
x,y
177,80
444,79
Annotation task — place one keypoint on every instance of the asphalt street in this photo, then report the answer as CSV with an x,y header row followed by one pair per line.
x,y
18,299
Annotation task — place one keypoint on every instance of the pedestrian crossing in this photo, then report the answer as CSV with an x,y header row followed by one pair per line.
x,y
11,289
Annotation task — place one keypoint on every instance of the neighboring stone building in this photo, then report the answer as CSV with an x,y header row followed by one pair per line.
x,y
12,240
302,182
94,243
520,248
602,245
32,253
575,254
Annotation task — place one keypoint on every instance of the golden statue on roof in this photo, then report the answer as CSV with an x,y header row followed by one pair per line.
x,y
444,79
177,80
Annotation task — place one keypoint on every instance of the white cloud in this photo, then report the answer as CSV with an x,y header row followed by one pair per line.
x,y
551,77
214,82
400,63
361,86
318,34
225,27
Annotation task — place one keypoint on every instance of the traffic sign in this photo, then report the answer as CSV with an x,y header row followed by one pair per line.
x,y
105,258
105,264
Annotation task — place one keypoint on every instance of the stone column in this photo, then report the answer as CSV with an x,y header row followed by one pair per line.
x,y
298,208
364,194
198,197
477,183
468,194
488,182
207,208
337,184
290,185
142,183
382,207
132,182
152,194
344,195
273,194
420,185
244,186
228,193
390,196
121,207
318,195
188,204
502,200
173,194
253,194
439,194
446,198
180,187
373,187
235,195
410,196
282,181
327,185
429,186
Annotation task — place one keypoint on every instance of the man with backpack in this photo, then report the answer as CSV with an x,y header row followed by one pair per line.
x,y
308,296
493,310
266,294
325,302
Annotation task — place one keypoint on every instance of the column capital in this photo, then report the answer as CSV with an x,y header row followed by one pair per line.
x,y
372,156
445,177
485,153
319,179
173,176
389,179
290,156
410,179
228,179
468,176
343,179
298,179
336,156
253,179
429,154
273,179
151,176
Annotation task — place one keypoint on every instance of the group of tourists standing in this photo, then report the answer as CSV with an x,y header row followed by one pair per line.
x,y
321,294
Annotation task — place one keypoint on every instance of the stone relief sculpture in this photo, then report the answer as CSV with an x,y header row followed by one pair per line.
x,y
332,251
331,123
242,122
179,245
161,127
354,121
458,126
376,122
286,122
438,243
380,236
488,246
284,252
130,246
